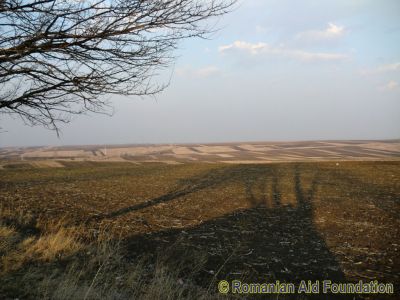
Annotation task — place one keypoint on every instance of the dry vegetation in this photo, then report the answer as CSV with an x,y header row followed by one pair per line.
x,y
155,231
59,264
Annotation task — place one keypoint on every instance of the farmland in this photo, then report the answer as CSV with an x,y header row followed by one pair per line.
x,y
117,229
233,153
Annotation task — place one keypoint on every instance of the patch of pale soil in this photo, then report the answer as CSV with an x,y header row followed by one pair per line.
x,y
329,152
215,149
256,148
223,155
151,149
310,147
116,152
341,145
57,153
183,151
383,146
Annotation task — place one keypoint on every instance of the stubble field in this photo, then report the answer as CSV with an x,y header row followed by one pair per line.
x,y
120,230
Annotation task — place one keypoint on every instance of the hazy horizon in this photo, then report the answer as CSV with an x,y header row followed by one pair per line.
x,y
208,143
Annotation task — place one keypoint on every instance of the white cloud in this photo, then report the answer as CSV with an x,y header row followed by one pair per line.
x,y
203,72
249,47
304,55
391,85
332,31
263,48
382,69
389,67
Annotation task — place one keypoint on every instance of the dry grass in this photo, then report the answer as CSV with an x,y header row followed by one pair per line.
x,y
57,266
53,245
54,262
7,238
18,249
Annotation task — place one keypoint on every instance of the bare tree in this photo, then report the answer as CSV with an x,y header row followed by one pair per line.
x,y
60,57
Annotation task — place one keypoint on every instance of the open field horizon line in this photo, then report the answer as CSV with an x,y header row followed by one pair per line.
x,y
207,143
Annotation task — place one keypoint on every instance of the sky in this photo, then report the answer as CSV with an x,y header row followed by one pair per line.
x,y
276,70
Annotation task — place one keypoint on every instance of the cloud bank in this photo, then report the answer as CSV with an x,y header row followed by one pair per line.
x,y
266,49
332,31
391,85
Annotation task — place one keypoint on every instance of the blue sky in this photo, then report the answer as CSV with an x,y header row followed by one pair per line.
x,y
275,70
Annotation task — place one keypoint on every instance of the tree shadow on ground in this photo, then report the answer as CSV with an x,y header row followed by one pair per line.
x,y
272,240
185,187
